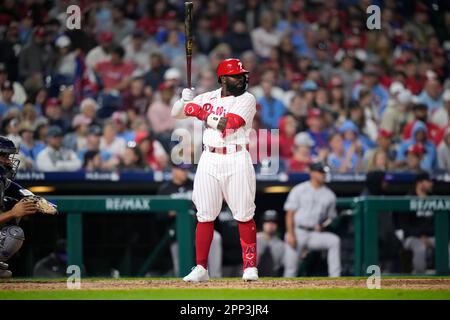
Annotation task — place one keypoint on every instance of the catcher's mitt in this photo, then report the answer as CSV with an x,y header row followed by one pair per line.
x,y
44,206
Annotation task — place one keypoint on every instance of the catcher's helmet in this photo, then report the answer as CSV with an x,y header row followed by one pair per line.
x,y
230,67
8,164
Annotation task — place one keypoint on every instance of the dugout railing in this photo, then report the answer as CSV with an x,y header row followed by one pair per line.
x,y
365,211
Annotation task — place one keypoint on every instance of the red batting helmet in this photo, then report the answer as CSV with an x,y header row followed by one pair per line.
x,y
230,67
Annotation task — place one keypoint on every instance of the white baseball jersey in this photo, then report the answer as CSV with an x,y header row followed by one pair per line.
x,y
243,106
229,177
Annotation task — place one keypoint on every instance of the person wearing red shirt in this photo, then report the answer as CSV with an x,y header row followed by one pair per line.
x,y
421,114
115,75
288,128
301,157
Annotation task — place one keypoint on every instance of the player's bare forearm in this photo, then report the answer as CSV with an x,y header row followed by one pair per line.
x,y
290,222
5,217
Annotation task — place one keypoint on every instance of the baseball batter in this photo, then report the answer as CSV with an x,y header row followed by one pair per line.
x,y
225,170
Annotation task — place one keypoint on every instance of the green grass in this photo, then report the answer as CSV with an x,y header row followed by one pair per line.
x,y
225,294
229,294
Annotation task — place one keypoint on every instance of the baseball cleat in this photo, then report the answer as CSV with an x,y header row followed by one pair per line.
x,y
198,274
250,274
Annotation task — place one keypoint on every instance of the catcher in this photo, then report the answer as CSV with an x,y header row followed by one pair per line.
x,y
15,203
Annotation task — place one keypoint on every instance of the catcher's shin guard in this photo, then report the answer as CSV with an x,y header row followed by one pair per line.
x,y
11,240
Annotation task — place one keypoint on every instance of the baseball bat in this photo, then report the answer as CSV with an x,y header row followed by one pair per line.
x,y
188,34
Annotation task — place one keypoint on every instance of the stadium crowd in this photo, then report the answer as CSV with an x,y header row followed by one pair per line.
x,y
99,97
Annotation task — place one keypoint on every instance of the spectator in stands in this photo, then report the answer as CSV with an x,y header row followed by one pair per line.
x,y
206,38
158,114
347,70
54,157
309,89
341,159
29,148
19,95
318,132
137,99
65,63
68,106
114,77
173,48
271,77
155,76
238,38
138,49
288,129
301,157
7,104
199,62
102,52
299,111
121,124
41,128
76,140
338,98
414,156
10,47
132,158
121,26
88,111
420,112
35,60
431,95
207,81
383,156
107,160
441,117
266,36
54,113
92,161
250,61
371,81
11,128
270,246
352,137
272,109
443,152
359,114
152,151
419,134
110,141
397,113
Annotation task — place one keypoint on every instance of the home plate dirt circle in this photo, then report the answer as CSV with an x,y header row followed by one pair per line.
x,y
411,284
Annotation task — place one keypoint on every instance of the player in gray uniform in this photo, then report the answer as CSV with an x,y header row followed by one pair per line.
x,y
310,207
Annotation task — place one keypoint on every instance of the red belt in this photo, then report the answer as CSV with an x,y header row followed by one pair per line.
x,y
223,150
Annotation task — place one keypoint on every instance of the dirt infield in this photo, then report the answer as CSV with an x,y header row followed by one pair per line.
x,y
408,284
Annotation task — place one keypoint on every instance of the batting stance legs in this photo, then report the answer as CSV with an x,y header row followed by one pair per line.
x,y
313,241
228,177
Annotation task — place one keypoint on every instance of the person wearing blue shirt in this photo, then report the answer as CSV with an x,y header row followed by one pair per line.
x,y
419,135
370,80
272,109
431,96
7,94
